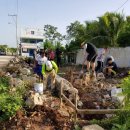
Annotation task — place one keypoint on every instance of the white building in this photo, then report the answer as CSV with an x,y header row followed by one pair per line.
x,y
30,40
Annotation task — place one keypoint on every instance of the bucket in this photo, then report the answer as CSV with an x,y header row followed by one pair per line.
x,y
38,87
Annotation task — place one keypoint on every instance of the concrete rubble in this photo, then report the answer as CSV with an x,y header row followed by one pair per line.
x,y
91,94
92,127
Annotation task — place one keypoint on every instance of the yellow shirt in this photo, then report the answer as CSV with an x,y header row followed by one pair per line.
x,y
45,69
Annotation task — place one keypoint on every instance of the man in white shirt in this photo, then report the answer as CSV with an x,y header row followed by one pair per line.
x,y
100,59
39,61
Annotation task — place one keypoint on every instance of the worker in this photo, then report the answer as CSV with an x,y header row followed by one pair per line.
x,y
100,59
58,56
39,60
110,68
51,55
90,54
49,70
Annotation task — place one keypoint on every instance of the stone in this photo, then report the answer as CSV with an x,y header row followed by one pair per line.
x,y
15,82
80,104
25,71
7,74
35,99
29,80
107,96
92,127
14,75
55,104
101,85
100,76
63,113
67,86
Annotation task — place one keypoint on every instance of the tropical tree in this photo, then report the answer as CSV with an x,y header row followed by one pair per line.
x,y
94,33
111,24
48,45
51,34
75,35
124,35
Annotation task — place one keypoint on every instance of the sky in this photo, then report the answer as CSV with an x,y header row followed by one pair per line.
x,y
59,13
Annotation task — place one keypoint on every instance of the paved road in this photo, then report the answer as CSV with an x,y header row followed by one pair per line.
x,y
4,60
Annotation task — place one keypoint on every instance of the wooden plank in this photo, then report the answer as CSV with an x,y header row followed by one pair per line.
x,y
68,101
98,111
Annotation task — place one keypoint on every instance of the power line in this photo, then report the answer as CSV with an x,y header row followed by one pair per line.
x,y
121,5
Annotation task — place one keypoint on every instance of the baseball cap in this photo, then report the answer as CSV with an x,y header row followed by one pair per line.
x,y
49,65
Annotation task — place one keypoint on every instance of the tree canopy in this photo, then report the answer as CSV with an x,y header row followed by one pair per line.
x,y
110,30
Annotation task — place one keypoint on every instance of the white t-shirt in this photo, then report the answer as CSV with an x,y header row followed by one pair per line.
x,y
41,60
101,55
37,56
84,51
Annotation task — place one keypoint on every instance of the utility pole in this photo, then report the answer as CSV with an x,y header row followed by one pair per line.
x,y
15,17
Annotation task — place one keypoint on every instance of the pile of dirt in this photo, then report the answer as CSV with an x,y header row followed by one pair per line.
x,y
97,94
38,118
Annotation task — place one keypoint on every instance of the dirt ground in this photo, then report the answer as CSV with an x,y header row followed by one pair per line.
x,y
94,96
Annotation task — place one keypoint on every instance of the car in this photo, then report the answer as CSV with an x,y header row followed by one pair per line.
x,y
2,53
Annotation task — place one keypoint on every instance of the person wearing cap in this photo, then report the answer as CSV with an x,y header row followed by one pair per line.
x,y
49,69
110,68
90,54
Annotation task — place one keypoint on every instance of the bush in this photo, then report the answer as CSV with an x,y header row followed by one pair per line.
x,y
10,102
125,85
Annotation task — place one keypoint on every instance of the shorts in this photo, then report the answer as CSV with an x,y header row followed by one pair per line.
x,y
38,70
91,57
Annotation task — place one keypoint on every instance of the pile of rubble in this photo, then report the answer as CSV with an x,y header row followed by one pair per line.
x,y
40,118
101,93
42,111
45,112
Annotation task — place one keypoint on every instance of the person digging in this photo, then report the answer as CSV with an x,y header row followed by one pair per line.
x,y
49,71
111,68
90,55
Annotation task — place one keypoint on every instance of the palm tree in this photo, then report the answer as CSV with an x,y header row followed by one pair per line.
x,y
105,31
111,24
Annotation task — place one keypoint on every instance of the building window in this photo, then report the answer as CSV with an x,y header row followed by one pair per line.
x,y
32,32
24,50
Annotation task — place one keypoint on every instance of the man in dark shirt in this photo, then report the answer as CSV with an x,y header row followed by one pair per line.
x,y
90,54
111,67
58,56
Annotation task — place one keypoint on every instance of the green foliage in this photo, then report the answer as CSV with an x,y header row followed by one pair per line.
x,y
123,122
10,102
118,122
125,85
12,50
76,127
3,47
103,32
124,36
76,31
51,34
48,45
3,84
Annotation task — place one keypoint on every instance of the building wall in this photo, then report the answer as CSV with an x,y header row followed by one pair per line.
x,y
121,56
31,33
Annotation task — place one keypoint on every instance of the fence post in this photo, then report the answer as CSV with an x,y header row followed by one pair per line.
x,y
75,107
61,91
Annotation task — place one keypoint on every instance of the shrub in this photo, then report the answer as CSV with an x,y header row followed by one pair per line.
x,y
10,102
125,85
